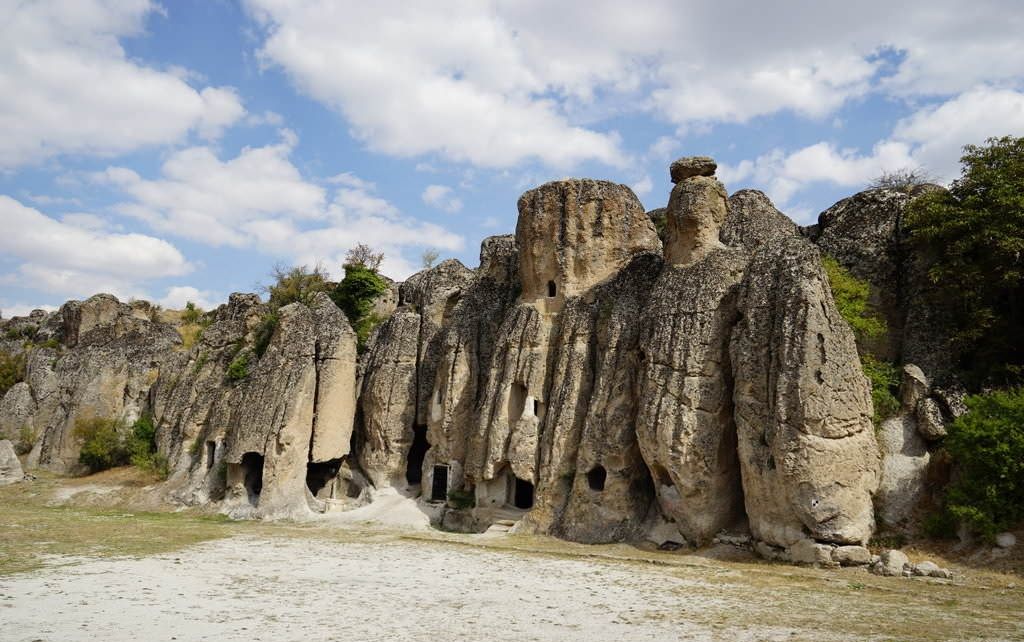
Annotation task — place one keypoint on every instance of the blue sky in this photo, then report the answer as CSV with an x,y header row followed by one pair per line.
x,y
176,151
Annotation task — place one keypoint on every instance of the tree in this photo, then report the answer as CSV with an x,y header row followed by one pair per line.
x,y
191,313
364,255
973,238
429,257
296,284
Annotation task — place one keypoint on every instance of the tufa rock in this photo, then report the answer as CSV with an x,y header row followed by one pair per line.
x,y
10,466
807,551
694,216
851,556
931,569
893,563
690,166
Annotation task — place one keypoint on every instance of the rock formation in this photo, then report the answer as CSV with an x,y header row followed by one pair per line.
x,y
586,380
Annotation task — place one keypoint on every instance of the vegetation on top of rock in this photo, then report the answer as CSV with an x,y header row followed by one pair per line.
x,y
988,445
852,297
12,370
429,258
264,332
191,313
358,291
973,236
903,180
298,284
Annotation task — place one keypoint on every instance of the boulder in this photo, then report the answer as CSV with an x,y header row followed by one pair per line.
x,y
690,166
851,556
931,424
1006,540
10,466
893,563
931,569
905,460
807,551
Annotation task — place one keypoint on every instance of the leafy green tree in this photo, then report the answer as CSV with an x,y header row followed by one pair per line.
x,y
987,444
973,237
12,370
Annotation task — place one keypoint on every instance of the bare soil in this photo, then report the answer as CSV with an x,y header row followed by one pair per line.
x,y
80,561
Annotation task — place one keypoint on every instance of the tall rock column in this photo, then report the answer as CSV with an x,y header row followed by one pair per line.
x,y
684,422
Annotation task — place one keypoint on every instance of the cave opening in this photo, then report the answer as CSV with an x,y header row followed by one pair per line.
x,y
211,454
522,494
252,474
552,289
319,474
597,477
417,452
439,484
662,476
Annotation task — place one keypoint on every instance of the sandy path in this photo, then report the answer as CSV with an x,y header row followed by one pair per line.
x,y
248,589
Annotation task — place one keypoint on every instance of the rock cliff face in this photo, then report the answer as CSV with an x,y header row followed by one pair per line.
x,y
585,380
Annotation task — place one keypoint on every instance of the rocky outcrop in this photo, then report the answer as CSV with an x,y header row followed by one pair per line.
x,y
586,381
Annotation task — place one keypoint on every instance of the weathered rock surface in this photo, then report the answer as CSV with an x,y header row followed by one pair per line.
x,y
584,381
690,166
10,466
893,563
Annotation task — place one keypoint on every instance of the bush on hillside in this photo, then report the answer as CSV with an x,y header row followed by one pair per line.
x,y
987,444
356,294
12,370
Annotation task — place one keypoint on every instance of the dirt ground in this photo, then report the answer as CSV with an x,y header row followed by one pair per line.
x,y
77,564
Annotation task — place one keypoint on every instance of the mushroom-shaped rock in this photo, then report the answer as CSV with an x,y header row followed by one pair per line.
x,y
690,166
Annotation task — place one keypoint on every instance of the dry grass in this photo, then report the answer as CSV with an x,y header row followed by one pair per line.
x,y
723,588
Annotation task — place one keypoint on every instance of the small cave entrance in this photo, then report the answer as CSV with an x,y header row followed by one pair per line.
x,y
552,289
417,451
522,494
597,477
439,484
319,474
252,474
516,402
211,454
662,476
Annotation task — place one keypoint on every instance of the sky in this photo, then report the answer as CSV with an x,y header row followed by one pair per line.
x,y
176,151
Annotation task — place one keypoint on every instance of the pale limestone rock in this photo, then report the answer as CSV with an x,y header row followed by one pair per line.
x,y
931,422
851,556
893,563
928,568
10,467
684,418
1006,540
802,406
17,411
753,222
690,166
573,234
694,217
905,460
807,551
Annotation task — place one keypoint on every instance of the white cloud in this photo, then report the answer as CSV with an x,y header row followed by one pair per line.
x,y
930,138
68,86
19,309
643,186
68,259
442,197
179,295
523,79
260,200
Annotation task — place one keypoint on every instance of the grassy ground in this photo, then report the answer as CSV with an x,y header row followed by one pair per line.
x,y
721,586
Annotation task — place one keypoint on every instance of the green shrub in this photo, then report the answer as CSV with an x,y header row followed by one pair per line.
x,y
852,297
885,381
103,443
987,445
239,367
264,333
296,285
852,300
12,370
191,313
973,237
355,295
